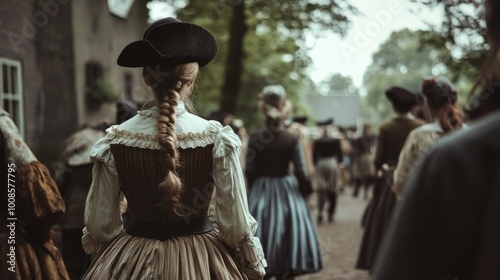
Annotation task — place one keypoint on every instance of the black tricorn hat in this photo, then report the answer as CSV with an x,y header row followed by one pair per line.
x,y
402,97
325,122
170,41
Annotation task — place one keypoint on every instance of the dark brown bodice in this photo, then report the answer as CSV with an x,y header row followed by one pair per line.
x,y
140,172
270,153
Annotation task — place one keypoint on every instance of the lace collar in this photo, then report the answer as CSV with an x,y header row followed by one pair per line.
x,y
141,131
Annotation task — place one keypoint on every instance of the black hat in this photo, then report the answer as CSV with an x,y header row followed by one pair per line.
x,y
170,41
325,122
301,119
401,97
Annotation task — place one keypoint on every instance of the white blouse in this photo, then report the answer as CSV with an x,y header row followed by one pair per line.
x,y
415,147
229,208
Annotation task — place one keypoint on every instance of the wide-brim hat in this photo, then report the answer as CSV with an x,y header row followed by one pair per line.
x,y
401,96
170,41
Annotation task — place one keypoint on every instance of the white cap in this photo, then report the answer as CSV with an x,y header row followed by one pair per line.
x,y
274,89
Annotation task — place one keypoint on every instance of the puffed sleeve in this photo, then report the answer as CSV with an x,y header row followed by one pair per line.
x,y
229,209
102,209
416,146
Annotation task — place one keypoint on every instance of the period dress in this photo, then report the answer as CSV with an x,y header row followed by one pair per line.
x,y
391,138
286,229
215,237
447,225
35,208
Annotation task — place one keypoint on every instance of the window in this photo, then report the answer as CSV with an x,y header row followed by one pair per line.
x,y
11,91
93,72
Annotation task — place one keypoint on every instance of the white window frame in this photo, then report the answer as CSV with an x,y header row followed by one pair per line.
x,y
19,97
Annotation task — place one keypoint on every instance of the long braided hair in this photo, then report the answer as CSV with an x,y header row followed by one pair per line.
x,y
442,100
170,84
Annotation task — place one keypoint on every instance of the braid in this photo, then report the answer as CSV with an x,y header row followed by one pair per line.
x,y
168,91
171,187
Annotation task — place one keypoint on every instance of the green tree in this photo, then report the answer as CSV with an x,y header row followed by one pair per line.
x,y
337,83
399,61
462,32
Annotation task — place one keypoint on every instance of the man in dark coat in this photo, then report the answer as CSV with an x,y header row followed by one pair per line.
x,y
327,159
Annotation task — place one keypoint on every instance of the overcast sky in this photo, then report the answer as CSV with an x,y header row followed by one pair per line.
x,y
351,55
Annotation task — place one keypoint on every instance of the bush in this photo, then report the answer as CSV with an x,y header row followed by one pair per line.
x,y
101,91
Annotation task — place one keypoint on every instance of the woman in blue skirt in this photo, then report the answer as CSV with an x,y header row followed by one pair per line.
x,y
286,229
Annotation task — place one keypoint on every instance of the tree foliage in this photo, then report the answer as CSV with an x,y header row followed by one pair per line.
x,y
400,61
462,32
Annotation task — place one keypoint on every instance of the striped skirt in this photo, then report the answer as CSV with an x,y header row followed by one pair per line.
x,y
193,257
286,229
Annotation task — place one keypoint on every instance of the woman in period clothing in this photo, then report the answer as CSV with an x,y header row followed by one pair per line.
x,y
26,246
286,228
187,215
441,101
390,140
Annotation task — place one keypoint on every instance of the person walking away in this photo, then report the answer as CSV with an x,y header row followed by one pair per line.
x,y
364,173
286,230
327,158
74,180
391,137
441,101
26,243
187,215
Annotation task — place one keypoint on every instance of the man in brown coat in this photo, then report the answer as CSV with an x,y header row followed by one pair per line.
x,y
393,133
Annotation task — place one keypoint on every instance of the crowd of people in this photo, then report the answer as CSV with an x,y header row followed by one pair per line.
x,y
165,194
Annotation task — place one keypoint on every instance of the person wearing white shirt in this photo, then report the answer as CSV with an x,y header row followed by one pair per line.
x,y
187,213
